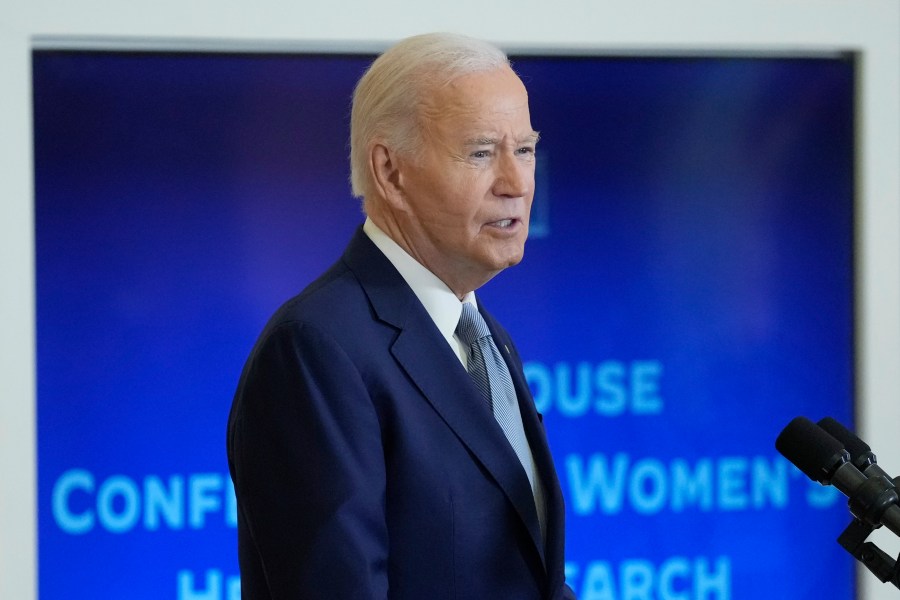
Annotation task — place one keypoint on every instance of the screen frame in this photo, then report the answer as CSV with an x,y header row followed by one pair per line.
x,y
870,29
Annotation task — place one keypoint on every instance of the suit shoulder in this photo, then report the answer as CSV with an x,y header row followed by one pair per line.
x,y
334,296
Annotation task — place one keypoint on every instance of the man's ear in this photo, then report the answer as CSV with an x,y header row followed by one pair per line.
x,y
385,169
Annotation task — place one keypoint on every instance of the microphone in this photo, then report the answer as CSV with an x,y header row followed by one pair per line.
x,y
861,454
821,457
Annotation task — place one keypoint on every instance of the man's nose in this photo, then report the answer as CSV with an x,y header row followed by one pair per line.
x,y
514,175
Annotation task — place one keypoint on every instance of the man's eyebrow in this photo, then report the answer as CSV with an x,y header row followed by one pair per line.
x,y
532,138
482,141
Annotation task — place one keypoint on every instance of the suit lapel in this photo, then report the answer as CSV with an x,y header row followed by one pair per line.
x,y
424,355
540,448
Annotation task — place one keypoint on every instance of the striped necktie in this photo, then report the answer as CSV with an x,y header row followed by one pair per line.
x,y
491,376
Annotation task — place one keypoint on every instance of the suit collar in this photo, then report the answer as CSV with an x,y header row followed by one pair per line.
x,y
390,297
438,300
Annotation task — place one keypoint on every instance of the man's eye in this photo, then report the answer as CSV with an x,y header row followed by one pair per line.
x,y
525,150
480,154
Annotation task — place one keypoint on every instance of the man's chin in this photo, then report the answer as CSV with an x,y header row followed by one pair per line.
x,y
508,260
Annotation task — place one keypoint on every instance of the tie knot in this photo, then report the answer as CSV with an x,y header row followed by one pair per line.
x,y
471,326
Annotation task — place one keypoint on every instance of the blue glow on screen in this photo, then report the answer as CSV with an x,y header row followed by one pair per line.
x,y
688,290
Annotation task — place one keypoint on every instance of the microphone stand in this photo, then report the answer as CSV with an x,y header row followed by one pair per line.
x,y
853,539
879,562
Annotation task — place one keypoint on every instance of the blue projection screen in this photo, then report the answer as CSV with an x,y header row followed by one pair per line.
x,y
687,289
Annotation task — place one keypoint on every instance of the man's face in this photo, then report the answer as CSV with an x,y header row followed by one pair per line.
x,y
468,193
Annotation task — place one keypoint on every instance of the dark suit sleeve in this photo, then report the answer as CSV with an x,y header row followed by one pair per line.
x,y
306,455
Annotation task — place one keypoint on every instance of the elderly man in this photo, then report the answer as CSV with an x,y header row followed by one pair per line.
x,y
383,441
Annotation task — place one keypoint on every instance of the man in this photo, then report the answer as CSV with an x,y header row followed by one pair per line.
x,y
367,462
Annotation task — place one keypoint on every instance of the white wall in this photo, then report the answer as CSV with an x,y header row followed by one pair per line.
x,y
871,27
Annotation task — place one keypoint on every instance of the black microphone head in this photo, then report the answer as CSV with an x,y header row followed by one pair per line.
x,y
811,449
851,442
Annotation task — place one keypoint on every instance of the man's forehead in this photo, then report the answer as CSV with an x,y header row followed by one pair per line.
x,y
473,88
478,109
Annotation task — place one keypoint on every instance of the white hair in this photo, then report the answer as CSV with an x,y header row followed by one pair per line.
x,y
387,98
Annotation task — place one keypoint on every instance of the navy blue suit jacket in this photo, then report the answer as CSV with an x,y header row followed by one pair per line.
x,y
365,463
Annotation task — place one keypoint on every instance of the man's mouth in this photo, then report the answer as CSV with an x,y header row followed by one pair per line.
x,y
503,223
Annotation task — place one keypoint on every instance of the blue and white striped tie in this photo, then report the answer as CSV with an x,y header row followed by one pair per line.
x,y
491,377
